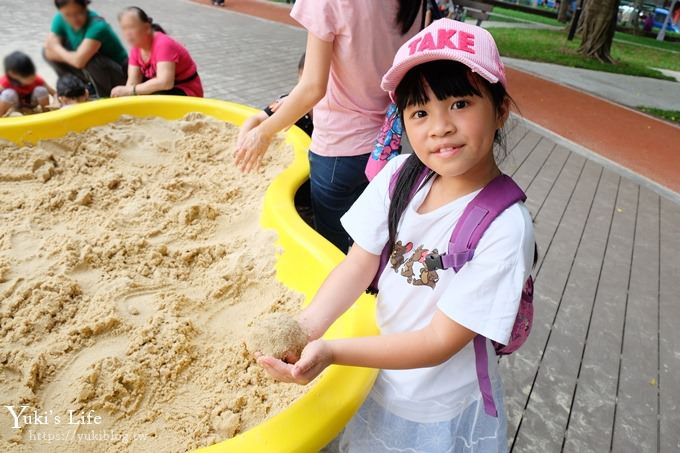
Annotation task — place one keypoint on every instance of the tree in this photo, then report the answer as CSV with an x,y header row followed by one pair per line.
x,y
562,13
599,25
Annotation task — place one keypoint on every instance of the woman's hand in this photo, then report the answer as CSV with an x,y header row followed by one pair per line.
x,y
120,91
248,155
316,356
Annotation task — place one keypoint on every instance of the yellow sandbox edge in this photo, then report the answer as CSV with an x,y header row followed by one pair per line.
x,y
305,259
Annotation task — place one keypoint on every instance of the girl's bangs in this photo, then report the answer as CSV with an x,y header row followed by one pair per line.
x,y
446,78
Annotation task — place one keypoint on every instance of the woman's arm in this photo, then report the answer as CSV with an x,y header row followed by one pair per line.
x,y
426,347
78,58
164,80
134,75
52,43
310,89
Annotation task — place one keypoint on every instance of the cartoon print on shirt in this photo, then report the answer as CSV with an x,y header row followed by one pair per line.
x,y
427,278
407,268
413,268
397,256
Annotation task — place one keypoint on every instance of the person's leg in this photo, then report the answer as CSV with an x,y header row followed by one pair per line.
x,y
40,96
303,203
104,73
8,99
336,183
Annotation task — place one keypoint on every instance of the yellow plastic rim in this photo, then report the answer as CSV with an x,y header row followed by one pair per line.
x,y
320,414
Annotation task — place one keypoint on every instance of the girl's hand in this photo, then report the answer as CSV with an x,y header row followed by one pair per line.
x,y
248,155
316,356
120,91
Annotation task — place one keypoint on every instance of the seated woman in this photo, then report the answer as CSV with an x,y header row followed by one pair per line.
x,y
158,63
83,44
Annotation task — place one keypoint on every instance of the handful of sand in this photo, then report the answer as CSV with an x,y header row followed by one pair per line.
x,y
278,335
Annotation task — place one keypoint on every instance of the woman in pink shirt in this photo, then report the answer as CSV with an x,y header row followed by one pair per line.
x,y
158,64
350,45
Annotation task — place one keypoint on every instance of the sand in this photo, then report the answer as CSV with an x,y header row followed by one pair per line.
x,y
278,335
131,266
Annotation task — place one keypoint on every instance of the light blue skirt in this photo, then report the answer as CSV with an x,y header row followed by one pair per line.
x,y
374,429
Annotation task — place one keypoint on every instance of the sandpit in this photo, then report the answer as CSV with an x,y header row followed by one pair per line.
x,y
131,265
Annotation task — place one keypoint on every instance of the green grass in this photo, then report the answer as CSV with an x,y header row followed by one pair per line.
x,y
666,45
551,46
510,15
526,17
669,115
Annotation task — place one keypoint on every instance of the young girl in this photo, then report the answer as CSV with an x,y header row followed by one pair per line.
x,y
350,45
449,83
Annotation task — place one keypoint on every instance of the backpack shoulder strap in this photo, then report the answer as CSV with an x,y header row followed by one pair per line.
x,y
501,193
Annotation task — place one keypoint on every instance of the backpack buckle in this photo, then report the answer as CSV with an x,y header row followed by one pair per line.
x,y
433,261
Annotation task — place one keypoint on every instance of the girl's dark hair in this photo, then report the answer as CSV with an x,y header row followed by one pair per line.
x,y
70,87
407,13
61,3
446,78
301,63
19,63
143,17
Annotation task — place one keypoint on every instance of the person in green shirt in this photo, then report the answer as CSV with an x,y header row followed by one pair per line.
x,y
83,44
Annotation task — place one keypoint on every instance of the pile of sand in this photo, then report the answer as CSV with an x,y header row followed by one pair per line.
x,y
131,264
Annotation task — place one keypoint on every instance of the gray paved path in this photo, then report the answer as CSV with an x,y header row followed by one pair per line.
x,y
624,89
601,370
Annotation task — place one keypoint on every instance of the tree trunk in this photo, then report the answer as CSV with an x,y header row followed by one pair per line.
x,y
582,18
599,25
562,12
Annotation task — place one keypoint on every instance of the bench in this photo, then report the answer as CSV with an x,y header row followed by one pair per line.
x,y
476,10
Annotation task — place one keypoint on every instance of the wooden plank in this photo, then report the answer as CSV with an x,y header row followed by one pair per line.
x,y
519,369
669,317
544,181
592,412
635,427
546,224
520,152
515,133
568,271
529,169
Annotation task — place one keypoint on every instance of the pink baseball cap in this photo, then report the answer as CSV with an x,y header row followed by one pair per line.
x,y
447,39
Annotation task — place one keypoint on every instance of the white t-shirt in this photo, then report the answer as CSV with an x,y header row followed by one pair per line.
x,y
483,296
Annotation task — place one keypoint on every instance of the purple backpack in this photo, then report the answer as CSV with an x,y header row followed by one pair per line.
x,y
501,193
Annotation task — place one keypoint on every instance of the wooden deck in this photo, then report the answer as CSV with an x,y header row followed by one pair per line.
x,y
601,369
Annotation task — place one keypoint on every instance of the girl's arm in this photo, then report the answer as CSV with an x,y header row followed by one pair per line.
x,y
426,347
338,292
310,89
